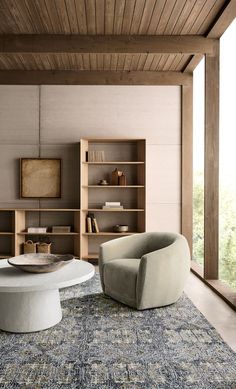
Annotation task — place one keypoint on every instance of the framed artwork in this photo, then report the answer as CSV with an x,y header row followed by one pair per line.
x,y
40,178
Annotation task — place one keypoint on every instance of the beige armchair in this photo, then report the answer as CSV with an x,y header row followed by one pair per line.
x,y
145,270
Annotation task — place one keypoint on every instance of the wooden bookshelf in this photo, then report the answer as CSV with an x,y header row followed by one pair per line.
x,y
128,155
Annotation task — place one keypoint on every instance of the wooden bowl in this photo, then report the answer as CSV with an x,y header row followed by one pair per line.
x,y
40,263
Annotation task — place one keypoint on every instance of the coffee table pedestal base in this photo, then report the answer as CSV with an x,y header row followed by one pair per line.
x,y
29,311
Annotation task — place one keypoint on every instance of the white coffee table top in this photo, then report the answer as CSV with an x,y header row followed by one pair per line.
x,y
15,280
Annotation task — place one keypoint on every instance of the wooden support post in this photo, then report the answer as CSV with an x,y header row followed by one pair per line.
x,y
187,163
211,187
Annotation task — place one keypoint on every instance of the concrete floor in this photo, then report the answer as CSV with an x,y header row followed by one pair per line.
x,y
216,311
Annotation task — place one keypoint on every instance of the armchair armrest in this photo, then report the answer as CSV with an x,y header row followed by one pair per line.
x,y
162,273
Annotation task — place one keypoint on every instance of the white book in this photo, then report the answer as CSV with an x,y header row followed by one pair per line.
x,y
37,230
112,203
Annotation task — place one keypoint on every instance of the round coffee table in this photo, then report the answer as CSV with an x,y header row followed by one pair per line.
x,y
31,302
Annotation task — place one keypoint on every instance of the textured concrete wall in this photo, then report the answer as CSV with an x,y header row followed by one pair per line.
x,y
50,120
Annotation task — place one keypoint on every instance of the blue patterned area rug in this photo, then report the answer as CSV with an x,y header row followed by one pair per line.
x,y
103,344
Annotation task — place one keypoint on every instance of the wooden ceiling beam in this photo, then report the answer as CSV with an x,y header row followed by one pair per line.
x,y
65,77
163,44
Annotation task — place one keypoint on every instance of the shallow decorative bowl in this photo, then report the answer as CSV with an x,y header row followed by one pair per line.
x,y
40,263
120,228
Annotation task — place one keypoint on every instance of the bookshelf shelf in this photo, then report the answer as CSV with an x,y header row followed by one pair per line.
x,y
128,156
114,186
49,233
115,163
112,210
108,233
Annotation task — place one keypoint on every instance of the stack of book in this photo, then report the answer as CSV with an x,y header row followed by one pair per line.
x,y
37,230
112,205
91,223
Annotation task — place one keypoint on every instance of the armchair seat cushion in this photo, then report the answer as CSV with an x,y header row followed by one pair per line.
x,y
120,278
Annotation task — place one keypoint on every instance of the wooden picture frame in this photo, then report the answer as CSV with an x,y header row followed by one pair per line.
x,y
40,178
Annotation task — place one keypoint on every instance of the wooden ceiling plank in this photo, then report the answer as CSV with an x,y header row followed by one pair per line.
x,y
192,63
18,77
186,11
53,15
159,7
106,44
6,23
109,16
137,17
196,10
182,63
121,61
100,14
169,61
134,62
148,62
71,12
39,16
86,62
90,16
114,60
206,10
211,16
7,63
155,62
128,16
79,61
118,17
100,61
127,64
106,62
81,16
15,16
37,59
141,62
63,16
174,17
24,16
93,61
168,8
175,62
146,16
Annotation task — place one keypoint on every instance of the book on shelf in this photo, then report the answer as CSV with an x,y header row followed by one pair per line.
x,y
112,203
37,230
105,207
91,223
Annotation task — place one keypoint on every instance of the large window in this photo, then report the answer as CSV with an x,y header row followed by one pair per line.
x,y
227,206
198,163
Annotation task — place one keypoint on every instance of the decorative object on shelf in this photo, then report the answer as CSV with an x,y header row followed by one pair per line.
x,y
121,228
61,229
37,230
122,180
40,178
110,205
95,156
115,176
40,263
43,247
103,182
29,247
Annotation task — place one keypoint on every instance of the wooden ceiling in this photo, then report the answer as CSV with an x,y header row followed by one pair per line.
x,y
129,19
